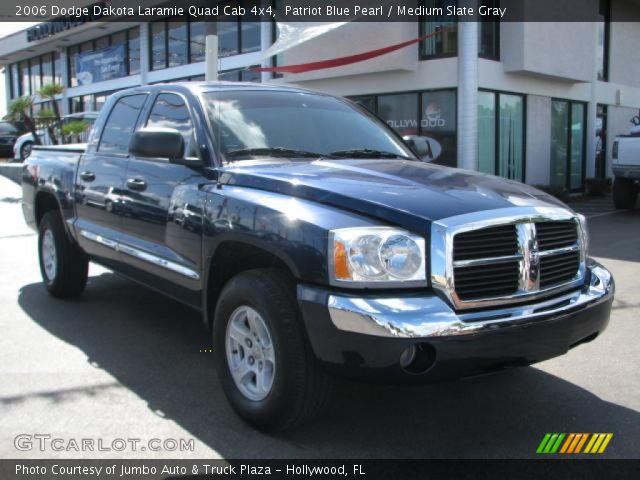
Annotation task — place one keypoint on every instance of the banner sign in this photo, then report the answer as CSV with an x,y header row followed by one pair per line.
x,y
100,65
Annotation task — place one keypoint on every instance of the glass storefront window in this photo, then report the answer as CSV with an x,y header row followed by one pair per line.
x,y
438,126
57,68
400,111
603,32
36,79
15,81
158,46
25,83
577,146
133,36
177,43
501,134
228,33
568,135
47,69
368,102
443,44
559,142
197,37
489,35
511,137
487,132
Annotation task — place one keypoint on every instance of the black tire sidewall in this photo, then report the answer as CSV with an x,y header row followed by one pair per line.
x,y
72,263
282,320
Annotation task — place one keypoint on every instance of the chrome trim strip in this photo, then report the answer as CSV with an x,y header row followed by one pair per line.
x,y
560,251
140,254
430,316
524,218
486,261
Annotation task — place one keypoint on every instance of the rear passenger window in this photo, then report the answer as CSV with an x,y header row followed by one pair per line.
x,y
120,124
170,111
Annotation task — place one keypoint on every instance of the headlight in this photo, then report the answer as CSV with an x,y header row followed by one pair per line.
x,y
377,256
584,233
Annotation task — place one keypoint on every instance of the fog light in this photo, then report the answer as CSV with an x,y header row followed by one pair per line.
x,y
418,358
408,356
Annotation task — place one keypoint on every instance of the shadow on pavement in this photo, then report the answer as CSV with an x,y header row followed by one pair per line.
x,y
151,345
616,236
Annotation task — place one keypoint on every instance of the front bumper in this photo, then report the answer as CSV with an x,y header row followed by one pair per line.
x,y
366,335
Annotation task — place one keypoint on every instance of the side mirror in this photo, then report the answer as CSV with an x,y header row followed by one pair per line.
x,y
156,142
420,146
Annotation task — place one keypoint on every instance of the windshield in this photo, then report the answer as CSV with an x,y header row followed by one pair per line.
x,y
249,124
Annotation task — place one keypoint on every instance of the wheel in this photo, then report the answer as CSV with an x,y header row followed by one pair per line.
x,y
63,266
265,363
25,150
625,193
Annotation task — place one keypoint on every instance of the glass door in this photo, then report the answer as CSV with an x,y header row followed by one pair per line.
x,y
568,130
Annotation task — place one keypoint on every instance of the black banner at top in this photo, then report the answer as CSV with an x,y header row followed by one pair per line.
x,y
64,14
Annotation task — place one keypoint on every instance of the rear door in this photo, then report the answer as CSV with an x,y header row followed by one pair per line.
x,y
101,173
164,205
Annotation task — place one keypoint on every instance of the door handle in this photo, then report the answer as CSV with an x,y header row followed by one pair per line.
x,y
136,184
88,176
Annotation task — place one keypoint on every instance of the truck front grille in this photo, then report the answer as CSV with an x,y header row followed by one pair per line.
x,y
511,261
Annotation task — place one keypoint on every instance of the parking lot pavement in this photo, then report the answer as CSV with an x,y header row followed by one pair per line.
x,y
593,207
125,362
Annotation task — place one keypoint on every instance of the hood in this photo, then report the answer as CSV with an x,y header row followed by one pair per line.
x,y
402,192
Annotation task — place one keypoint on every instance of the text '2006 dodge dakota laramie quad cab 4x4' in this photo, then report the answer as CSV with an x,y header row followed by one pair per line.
x,y
314,241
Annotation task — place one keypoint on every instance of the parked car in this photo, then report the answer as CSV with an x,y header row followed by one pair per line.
x,y
24,144
314,242
626,170
8,135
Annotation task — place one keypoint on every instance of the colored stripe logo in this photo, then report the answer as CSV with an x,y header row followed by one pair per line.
x,y
574,443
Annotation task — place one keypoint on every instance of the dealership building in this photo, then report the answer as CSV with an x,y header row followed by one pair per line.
x,y
531,101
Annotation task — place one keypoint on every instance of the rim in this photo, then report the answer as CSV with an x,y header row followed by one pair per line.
x,y
250,353
26,150
49,255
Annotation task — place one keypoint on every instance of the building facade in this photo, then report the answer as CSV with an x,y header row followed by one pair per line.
x,y
531,101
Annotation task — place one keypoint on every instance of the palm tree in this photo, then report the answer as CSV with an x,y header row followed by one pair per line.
x,y
19,109
50,91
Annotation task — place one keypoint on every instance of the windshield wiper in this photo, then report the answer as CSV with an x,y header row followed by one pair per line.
x,y
274,152
368,153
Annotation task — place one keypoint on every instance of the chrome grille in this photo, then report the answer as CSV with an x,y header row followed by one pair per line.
x,y
487,242
556,234
492,258
486,280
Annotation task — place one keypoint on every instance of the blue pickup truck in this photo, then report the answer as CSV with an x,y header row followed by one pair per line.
x,y
314,242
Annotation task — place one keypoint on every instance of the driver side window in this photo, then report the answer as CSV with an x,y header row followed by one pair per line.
x,y
170,111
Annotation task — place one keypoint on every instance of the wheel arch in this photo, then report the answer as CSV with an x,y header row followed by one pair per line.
x,y
232,256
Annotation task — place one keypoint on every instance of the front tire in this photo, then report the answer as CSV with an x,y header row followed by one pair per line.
x,y
625,193
25,150
265,363
63,266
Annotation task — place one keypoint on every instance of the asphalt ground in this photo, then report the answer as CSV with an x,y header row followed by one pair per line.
x,y
123,362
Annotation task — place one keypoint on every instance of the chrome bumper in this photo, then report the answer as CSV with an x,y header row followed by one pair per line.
x,y
431,316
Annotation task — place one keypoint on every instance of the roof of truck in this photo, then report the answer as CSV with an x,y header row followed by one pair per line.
x,y
202,86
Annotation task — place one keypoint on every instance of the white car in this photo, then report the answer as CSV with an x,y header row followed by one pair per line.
x,y
24,143
626,169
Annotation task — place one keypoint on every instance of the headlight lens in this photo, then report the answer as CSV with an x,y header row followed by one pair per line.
x,y
377,255
584,232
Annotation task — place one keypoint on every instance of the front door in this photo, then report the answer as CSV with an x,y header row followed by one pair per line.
x,y
163,206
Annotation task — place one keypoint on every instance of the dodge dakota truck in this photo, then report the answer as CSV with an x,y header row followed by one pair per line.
x,y
314,242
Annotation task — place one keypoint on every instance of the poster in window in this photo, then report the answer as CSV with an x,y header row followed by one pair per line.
x,y
438,126
100,65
